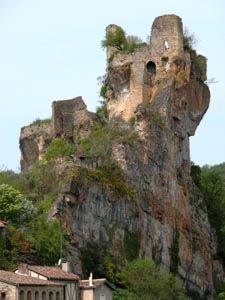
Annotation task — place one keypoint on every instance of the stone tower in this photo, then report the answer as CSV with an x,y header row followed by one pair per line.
x,y
135,78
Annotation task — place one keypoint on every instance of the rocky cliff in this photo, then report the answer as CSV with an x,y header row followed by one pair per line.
x,y
154,210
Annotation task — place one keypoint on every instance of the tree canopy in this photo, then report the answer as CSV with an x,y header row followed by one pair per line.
x,y
14,207
144,280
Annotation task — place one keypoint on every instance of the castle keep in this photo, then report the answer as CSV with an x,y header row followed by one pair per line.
x,y
135,78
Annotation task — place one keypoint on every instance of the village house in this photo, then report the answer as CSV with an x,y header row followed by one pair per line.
x,y
95,289
29,282
19,287
60,274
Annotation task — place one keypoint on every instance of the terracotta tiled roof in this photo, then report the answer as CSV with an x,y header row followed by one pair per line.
x,y
2,224
84,284
14,278
53,273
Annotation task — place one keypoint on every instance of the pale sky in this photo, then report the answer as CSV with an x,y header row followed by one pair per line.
x,y
51,50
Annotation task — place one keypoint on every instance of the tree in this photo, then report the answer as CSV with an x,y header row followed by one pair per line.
x,y
14,207
121,42
47,239
115,39
145,281
211,182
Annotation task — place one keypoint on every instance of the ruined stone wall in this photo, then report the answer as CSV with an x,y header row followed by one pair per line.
x,y
148,68
8,290
70,121
69,116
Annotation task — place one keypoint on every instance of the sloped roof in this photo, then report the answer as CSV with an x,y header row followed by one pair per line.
x,y
53,273
2,224
84,284
13,278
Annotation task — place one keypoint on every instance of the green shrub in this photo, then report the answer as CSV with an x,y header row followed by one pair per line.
x,y
157,118
131,244
47,240
144,280
57,149
92,259
40,122
14,207
113,178
189,41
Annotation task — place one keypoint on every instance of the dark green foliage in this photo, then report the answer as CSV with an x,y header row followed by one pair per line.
x,y
11,178
132,42
47,240
211,181
144,281
174,252
132,244
157,118
12,243
196,174
57,149
92,259
122,294
40,180
102,82
113,178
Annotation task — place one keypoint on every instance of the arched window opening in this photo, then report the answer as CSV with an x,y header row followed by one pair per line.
x,y
3,295
21,295
43,296
36,295
50,295
29,295
151,67
57,296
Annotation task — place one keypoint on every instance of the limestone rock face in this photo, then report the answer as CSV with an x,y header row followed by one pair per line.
x,y
162,88
158,213
34,140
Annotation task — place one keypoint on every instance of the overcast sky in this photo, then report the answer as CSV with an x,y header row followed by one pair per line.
x,y
51,50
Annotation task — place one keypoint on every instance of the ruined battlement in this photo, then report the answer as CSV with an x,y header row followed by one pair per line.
x,y
136,77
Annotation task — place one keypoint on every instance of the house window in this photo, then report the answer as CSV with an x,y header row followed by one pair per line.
x,y
102,297
57,296
50,295
43,295
36,295
29,295
21,295
3,295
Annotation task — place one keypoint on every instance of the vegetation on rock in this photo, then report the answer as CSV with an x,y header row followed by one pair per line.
x,y
121,42
211,182
143,280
